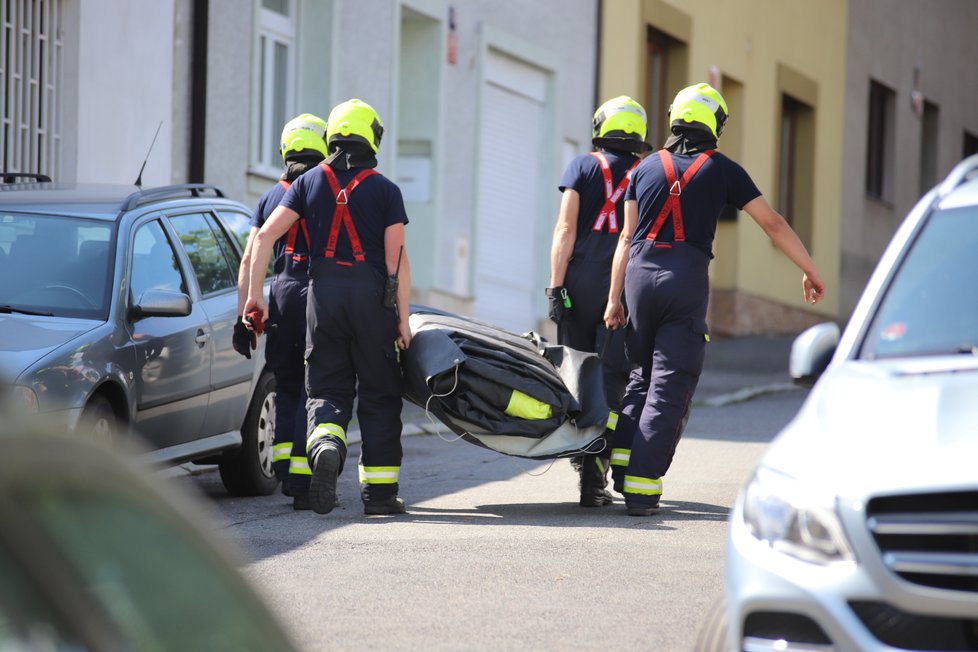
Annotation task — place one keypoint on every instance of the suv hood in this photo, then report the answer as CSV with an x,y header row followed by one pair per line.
x,y
885,427
24,340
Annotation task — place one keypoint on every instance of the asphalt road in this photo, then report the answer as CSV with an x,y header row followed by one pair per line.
x,y
495,553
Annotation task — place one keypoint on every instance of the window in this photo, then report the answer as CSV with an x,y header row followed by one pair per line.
x,y
207,256
970,145
154,264
276,52
661,50
795,166
30,95
928,147
879,142
656,102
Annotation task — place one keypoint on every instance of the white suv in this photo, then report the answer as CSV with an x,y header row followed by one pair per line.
x,y
859,528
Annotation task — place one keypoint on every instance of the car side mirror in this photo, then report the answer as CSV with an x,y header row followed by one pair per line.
x,y
811,353
160,303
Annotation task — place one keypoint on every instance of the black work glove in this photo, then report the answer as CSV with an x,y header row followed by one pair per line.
x,y
559,302
244,341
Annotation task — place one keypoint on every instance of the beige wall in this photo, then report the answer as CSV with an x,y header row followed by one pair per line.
x,y
753,43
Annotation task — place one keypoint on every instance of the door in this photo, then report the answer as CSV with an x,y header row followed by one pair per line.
x,y
215,264
173,355
511,139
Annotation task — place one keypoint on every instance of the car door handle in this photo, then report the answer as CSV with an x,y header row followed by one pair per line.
x,y
202,337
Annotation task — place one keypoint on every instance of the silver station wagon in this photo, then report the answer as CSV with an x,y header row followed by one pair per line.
x,y
117,305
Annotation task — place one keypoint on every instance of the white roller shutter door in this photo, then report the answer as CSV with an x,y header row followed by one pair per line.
x,y
509,192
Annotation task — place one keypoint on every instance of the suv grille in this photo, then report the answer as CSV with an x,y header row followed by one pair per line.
x,y
929,539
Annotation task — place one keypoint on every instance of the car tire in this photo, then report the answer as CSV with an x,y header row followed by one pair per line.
x,y
247,470
99,421
713,634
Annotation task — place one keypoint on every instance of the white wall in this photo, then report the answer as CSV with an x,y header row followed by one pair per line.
x,y
124,79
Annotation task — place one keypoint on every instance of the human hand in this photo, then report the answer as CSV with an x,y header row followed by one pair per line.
x,y
814,288
559,303
243,340
403,335
614,315
255,315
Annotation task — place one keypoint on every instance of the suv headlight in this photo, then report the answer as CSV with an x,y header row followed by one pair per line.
x,y
794,519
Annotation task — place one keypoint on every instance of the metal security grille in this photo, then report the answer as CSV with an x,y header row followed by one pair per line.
x,y
31,71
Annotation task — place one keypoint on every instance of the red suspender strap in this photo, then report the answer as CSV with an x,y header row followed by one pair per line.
x,y
342,217
611,194
294,231
673,205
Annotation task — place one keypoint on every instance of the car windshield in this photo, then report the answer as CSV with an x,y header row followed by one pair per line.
x,y
931,305
55,265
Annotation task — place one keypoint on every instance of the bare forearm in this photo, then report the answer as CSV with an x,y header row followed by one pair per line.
x,y
565,235
404,289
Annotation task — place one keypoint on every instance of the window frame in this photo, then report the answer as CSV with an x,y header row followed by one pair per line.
x,y
880,135
272,29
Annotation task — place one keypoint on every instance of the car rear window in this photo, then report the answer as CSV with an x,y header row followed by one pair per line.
x,y
931,305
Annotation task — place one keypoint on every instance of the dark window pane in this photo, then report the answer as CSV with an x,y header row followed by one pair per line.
x,y
154,263
210,266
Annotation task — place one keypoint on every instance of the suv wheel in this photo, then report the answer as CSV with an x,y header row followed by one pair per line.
x,y
247,471
713,635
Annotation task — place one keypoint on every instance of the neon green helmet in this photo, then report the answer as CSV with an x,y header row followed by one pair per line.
x,y
302,133
354,121
700,104
620,123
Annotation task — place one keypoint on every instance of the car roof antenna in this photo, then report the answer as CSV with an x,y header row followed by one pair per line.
x,y
139,179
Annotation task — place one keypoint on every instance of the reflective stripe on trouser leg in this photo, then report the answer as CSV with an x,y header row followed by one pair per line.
x,y
639,486
379,474
620,457
281,452
325,432
299,466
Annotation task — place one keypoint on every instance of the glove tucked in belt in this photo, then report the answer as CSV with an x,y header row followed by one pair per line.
x,y
559,301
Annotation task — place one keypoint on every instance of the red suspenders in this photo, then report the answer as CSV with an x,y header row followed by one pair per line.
x,y
673,205
342,217
294,231
611,194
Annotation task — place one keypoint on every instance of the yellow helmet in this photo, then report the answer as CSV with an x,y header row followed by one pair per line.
x,y
304,132
354,121
702,104
620,123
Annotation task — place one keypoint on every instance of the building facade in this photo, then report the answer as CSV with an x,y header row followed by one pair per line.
x,y
843,112
483,102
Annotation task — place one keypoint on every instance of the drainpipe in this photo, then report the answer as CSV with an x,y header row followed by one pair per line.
x,y
597,54
198,91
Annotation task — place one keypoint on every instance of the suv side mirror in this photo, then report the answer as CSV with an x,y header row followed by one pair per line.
x,y
160,303
811,353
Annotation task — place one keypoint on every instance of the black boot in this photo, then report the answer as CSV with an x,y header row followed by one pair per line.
x,y
594,482
392,505
322,486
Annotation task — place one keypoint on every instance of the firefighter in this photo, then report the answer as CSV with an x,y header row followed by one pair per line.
x,y
303,146
593,195
661,261
356,220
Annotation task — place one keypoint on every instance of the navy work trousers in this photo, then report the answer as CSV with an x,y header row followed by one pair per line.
x,y
285,354
667,291
351,354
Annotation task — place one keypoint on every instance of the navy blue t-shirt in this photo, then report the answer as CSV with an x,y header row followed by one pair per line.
x,y
596,238
374,205
718,183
